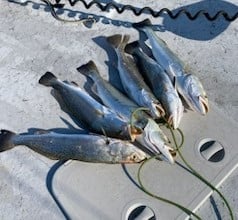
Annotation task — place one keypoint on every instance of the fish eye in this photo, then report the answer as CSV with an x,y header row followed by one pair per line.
x,y
134,157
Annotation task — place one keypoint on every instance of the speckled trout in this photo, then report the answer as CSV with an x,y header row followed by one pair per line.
x,y
86,109
88,148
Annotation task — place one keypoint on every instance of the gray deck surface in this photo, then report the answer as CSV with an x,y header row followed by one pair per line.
x,y
33,42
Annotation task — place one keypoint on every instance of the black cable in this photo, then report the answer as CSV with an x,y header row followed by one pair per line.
x,y
147,9
49,185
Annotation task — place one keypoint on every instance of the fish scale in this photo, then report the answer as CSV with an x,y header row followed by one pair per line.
x,y
86,109
159,82
88,148
131,79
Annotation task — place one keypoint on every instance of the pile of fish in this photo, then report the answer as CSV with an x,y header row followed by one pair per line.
x,y
121,123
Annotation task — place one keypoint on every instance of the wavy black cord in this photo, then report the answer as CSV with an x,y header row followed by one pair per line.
x,y
138,12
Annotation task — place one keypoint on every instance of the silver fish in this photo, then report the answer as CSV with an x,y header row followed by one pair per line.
x,y
110,96
83,107
159,82
151,137
132,81
187,84
88,148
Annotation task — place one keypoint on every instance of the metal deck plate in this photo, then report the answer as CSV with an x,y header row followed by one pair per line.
x,y
98,191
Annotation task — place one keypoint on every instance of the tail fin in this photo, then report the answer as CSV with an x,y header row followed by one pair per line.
x,y
5,140
118,41
125,41
142,24
130,48
89,69
47,79
115,40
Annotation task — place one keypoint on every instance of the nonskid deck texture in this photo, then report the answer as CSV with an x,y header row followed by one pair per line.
x,y
33,42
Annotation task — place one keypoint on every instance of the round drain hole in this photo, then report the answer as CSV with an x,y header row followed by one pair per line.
x,y
211,150
140,212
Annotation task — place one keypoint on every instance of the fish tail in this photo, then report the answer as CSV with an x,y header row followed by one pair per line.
x,y
48,79
125,41
6,142
142,24
130,48
89,69
118,41
115,40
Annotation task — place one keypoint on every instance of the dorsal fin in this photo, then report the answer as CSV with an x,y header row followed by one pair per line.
x,y
42,131
107,140
74,83
94,89
142,24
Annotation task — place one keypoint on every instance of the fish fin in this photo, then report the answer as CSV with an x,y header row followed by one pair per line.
x,y
142,24
107,140
89,69
125,41
178,80
148,50
187,69
41,131
74,83
94,89
131,47
174,82
66,82
47,79
115,40
5,140
132,61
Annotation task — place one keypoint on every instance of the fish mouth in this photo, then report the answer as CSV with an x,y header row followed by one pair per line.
x,y
160,110
157,111
173,152
175,118
152,138
170,154
193,93
134,132
129,161
203,103
167,153
199,104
